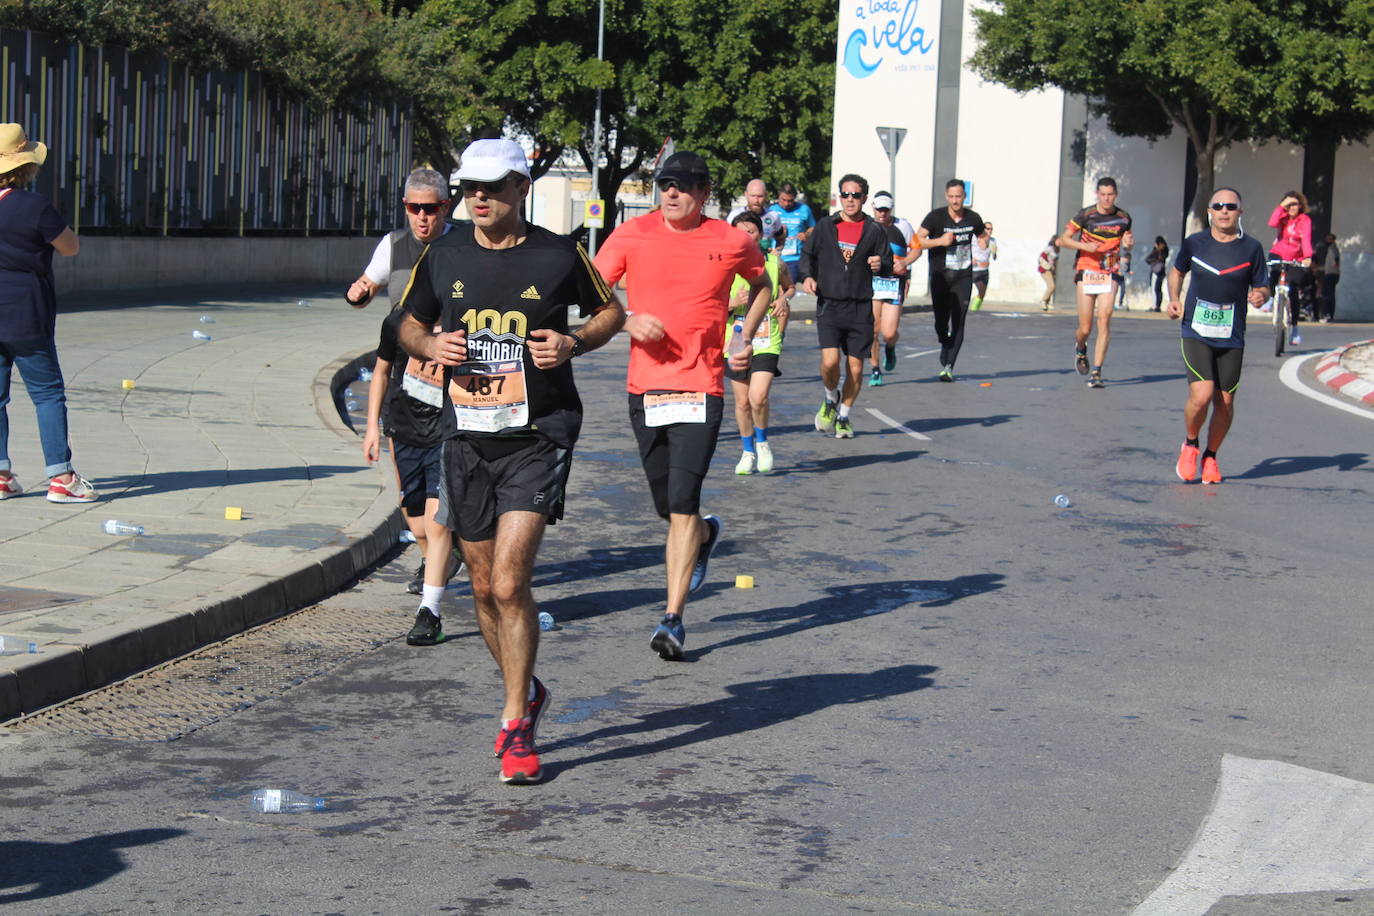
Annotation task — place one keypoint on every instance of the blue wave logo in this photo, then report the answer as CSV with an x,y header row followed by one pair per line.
x,y
853,56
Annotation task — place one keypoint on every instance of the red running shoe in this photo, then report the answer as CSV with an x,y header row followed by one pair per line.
x,y
538,703
519,762
1186,469
1211,473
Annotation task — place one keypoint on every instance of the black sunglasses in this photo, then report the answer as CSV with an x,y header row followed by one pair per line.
x,y
675,184
852,195
1224,205
430,209
491,187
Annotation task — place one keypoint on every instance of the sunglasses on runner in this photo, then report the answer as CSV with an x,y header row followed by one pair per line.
x,y
490,187
852,195
1224,205
673,184
428,209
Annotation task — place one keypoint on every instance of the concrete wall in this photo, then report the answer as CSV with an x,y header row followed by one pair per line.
x,y
1352,220
109,263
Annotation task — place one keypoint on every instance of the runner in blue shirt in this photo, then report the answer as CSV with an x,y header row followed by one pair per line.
x,y
1228,270
799,220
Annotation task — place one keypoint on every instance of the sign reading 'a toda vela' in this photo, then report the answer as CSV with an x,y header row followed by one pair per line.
x,y
885,75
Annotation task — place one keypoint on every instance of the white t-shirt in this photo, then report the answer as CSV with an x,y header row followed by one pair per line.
x,y
905,228
379,268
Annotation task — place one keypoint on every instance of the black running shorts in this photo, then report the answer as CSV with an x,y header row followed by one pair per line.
x,y
1207,363
419,469
767,362
487,477
846,325
676,457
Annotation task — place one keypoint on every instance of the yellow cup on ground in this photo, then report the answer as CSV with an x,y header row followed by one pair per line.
x,y
744,581
233,513
128,383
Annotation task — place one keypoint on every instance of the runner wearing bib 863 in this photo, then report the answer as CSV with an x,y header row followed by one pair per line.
x,y
1097,234
1228,270
501,289
678,266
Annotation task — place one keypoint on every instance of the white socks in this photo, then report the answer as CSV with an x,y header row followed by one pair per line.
x,y
431,596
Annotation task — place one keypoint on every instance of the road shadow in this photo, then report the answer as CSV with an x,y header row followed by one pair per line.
x,y
851,602
603,561
845,462
934,424
1143,379
1297,464
750,706
177,481
586,605
61,868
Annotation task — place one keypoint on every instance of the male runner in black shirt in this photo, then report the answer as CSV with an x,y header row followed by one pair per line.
x,y
500,288
1228,269
947,233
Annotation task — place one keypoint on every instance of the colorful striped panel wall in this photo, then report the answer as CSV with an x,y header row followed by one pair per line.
x,y
138,144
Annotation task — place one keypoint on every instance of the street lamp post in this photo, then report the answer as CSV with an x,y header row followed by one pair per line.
x,y
596,128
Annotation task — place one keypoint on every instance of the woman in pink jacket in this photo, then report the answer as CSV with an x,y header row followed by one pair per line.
x,y
1294,243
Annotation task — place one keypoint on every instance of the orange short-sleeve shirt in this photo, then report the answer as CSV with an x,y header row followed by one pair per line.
x,y
683,279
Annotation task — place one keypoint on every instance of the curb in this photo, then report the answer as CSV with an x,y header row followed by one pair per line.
x,y
1330,372
149,638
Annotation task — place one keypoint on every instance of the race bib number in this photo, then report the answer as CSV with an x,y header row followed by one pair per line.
x,y
1096,282
791,246
1213,319
960,256
488,390
424,381
886,288
763,335
674,407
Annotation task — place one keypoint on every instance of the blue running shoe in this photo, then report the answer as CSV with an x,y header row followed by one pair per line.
x,y
705,551
669,638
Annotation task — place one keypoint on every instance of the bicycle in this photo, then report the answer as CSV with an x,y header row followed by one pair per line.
x,y
1282,317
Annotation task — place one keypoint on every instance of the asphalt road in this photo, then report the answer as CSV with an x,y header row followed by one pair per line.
x,y
946,695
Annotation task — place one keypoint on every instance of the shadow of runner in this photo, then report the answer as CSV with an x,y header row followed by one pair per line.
x,y
750,706
850,602
1297,464
130,485
61,868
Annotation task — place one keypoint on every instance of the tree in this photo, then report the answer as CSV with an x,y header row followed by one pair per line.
x,y
1220,70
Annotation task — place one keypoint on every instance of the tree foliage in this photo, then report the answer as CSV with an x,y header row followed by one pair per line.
x,y
1219,70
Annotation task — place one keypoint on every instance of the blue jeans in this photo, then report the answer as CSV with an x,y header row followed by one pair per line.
x,y
37,362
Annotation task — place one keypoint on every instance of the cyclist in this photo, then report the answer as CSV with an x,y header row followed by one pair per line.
x,y
1294,243
1231,272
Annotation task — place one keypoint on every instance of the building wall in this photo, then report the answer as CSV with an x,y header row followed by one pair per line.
x,y
1352,221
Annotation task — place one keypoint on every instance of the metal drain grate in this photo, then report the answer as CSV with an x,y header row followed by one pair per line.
x,y
177,698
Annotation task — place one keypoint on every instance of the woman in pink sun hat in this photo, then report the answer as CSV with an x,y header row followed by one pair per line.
x,y
31,229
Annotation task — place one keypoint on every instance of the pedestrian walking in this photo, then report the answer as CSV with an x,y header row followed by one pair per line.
x,y
1328,261
1045,264
31,230
1158,259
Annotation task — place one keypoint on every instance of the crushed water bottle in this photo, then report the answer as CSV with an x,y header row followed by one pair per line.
x,y
121,529
1062,501
207,319
303,303
546,621
285,801
201,335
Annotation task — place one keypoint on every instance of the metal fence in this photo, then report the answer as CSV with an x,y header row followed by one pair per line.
x,y
141,145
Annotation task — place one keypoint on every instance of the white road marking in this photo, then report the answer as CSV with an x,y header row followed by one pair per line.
x,y
1288,374
921,353
884,418
1274,828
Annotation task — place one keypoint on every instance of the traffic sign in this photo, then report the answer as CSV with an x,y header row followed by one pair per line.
x,y
594,214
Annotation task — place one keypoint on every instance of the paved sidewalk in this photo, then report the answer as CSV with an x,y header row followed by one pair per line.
x,y
244,420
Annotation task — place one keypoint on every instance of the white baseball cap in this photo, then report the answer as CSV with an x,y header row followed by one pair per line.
x,y
882,201
490,160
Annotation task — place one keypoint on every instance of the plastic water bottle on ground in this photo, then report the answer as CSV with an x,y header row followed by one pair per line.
x,y
1062,501
546,621
406,537
201,335
13,645
303,303
285,801
121,529
207,319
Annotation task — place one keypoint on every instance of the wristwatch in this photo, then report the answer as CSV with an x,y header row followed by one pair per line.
x,y
579,346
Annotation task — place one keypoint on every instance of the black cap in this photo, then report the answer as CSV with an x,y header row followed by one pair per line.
x,y
685,167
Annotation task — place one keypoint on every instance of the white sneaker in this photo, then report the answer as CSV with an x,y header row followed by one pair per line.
x,y
9,486
746,464
76,490
765,463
